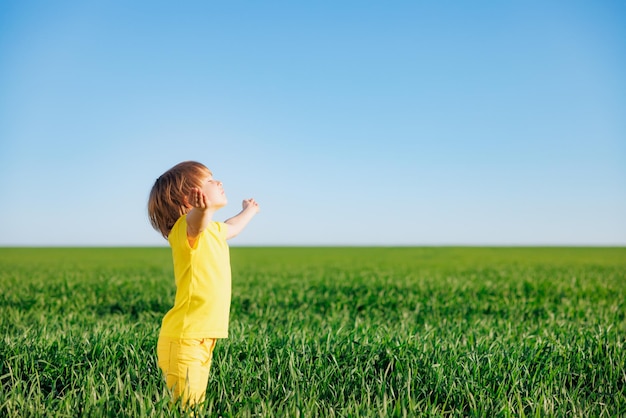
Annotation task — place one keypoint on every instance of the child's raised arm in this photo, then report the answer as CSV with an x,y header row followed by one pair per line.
x,y
237,223
199,216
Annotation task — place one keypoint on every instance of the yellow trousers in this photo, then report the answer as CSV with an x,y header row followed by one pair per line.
x,y
186,364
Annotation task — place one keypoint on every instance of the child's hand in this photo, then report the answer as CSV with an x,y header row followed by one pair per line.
x,y
198,199
238,222
251,204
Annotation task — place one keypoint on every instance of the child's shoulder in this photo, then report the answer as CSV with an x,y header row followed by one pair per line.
x,y
217,227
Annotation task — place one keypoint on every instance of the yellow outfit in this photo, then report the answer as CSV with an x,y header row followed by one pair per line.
x,y
201,309
186,364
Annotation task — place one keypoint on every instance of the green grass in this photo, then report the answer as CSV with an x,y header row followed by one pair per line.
x,y
328,332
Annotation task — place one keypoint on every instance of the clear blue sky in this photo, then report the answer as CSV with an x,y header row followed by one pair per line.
x,y
350,122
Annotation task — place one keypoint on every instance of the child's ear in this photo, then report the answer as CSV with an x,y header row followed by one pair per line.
x,y
186,202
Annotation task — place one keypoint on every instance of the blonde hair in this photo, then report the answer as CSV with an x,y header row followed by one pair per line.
x,y
168,197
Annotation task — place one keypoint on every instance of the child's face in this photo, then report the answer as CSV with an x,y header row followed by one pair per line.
x,y
214,192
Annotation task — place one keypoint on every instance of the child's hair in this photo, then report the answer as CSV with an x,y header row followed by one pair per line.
x,y
167,201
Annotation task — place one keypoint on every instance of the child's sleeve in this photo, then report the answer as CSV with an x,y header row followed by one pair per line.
x,y
222,229
177,238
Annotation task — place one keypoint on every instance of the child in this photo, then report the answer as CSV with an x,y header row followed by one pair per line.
x,y
181,206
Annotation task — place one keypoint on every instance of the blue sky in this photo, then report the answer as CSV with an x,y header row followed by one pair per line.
x,y
350,122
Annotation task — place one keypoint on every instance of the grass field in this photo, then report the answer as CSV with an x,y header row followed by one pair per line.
x,y
328,332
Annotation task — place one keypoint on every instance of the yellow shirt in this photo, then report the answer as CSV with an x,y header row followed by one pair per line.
x,y
203,283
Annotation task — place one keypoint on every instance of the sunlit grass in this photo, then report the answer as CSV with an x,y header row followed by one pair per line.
x,y
325,332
